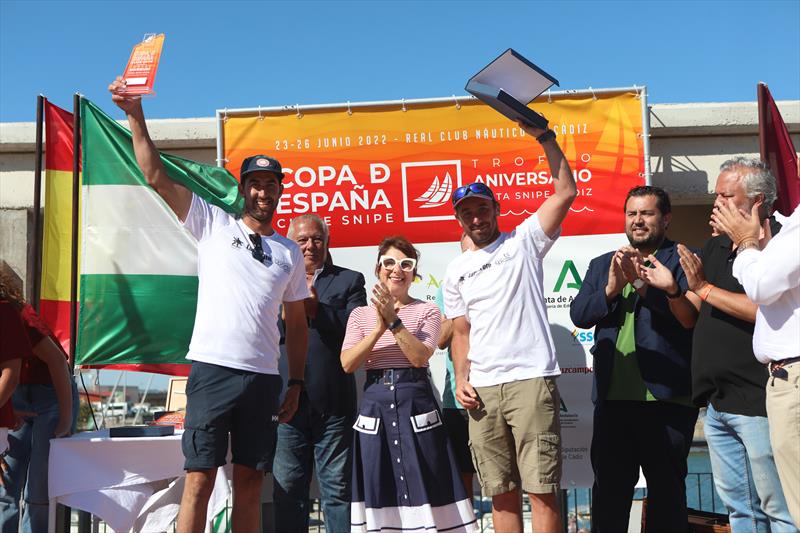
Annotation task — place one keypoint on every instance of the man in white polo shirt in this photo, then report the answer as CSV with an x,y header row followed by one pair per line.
x,y
502,350
245,272
769,270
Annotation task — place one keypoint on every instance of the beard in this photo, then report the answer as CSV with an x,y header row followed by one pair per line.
x,y
651,241
262,215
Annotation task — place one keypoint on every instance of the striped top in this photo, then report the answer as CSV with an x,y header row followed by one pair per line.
x,y
421,319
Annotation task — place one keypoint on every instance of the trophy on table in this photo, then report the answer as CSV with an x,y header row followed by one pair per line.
x,y
508,84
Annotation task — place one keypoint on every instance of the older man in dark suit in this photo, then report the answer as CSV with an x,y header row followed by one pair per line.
x,y
320,433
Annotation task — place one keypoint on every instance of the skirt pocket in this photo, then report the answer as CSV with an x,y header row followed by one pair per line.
x,y
426,421
367,424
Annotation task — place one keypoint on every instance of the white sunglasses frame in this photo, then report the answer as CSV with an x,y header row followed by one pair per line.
x,y
383,258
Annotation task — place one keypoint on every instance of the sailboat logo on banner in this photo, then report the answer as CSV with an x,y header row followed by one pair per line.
x,y
437,194
427,188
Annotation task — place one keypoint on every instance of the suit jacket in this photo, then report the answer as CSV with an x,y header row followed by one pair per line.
x,y
663,346
330,390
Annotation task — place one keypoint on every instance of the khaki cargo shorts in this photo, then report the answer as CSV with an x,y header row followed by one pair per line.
x,y
515,437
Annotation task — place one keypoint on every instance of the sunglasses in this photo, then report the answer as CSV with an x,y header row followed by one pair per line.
x,y
472,188
258,250
406,265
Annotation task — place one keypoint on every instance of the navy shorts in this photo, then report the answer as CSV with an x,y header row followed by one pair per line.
x,y
222,401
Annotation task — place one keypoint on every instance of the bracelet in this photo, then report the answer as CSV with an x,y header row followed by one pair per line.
x,y
676,294
546,136
294,381
706,291
397,323
745,244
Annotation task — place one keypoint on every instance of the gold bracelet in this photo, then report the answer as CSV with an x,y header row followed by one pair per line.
x,y
747,243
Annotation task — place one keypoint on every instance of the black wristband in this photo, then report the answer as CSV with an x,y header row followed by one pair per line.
x,y
546,136
397,323
296,382
676,294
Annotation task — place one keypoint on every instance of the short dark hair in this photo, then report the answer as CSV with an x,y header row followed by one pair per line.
x,y
662,198
402,244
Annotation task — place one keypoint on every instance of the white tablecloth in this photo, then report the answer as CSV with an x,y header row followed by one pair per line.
x,y
130,483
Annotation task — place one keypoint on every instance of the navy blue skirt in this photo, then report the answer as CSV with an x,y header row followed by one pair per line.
x,y
405,476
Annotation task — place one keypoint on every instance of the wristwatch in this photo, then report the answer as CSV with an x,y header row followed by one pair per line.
x,y
397,323
638,283
294,381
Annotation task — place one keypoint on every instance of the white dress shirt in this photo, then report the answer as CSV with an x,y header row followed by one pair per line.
x,y
771,279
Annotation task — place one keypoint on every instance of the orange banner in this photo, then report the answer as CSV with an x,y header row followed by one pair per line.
x,y
392,169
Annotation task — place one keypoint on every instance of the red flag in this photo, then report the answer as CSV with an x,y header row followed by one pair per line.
x,y
777,151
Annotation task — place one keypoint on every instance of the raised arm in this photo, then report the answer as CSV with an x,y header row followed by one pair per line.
x,y
553,211
177,197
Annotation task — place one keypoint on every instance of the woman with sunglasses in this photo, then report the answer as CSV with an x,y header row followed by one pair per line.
x,y
405,475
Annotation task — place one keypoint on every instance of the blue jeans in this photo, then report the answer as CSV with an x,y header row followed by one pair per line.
x,y
313,441
29,450
744,471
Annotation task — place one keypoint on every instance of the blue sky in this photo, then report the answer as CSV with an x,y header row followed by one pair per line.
x,y
245,54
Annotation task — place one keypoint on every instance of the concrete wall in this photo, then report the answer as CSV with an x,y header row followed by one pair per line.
x,y
688,143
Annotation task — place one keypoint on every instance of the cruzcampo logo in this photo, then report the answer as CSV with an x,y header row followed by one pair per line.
x,y
568,269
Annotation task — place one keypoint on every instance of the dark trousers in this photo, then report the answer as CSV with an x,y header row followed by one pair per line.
x,y
655,436
313,442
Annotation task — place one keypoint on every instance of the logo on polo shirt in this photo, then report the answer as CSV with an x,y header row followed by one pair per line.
x,y
237,243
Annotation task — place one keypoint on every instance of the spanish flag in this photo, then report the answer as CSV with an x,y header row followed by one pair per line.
x,y
57,231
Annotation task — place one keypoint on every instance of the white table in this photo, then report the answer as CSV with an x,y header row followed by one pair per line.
x,y
130,483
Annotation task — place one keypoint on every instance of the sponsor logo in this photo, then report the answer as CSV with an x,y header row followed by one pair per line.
x,y
237,243
427,188
583,336
568,268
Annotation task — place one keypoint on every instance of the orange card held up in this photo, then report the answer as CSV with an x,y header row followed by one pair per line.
x,y
140,74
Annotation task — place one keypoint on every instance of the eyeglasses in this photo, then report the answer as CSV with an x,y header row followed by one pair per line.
x,y
406,265
473,188
258,250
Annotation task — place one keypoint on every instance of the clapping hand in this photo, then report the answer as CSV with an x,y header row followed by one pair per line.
x,y
384,305
728,219
629,261
658,276
693,268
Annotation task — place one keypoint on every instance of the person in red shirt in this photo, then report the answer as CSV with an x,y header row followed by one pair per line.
x,y
14,345
44,403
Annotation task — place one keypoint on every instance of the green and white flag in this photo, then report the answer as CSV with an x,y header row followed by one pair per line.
x,y
138,275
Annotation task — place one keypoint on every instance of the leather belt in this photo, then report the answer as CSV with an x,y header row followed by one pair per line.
x,y
390,376
777,370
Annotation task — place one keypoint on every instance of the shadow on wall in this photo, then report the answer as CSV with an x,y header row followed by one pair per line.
x,y
569,350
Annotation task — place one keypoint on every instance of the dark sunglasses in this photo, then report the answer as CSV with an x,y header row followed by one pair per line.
x,y
472,188
258,250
